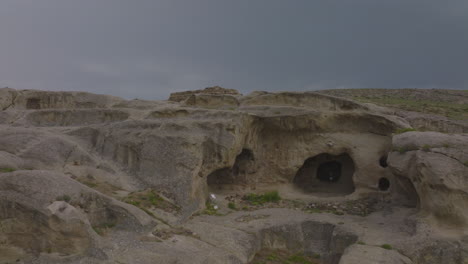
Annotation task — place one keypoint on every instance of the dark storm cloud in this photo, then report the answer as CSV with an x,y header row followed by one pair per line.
x,y
149,48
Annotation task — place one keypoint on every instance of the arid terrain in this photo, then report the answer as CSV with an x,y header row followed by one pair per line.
x,y
359,176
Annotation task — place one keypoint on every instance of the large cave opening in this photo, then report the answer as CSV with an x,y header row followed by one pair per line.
x,y
326,174
235,176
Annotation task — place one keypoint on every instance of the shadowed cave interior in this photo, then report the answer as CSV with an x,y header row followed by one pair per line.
x,y
326,174
237,175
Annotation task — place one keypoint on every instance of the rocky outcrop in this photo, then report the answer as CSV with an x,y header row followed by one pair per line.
x,y
215,90
47,212
436,165
33,99
79,163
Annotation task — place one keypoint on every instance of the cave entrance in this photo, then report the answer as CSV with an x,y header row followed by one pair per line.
x,y
236,176
326,174
33,103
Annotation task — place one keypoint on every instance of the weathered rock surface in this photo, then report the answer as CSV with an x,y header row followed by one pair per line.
x,y
362,254
97,179
436,166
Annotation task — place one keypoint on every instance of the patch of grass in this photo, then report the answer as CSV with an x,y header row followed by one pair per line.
x,y
90,184
466,163
314,211
272,257
148,199
404,149
404,130
6,170
210,209
259,199
450,110
426,148
361,243
386,246
134,203
65,198
232,206
299,259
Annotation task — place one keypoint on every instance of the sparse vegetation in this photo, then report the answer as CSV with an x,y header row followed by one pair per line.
x,y
232,206
404,149
148,199
450,110
314,211
426,148
5,170
361,243
386,246
210,209
88,183
404,130
103,228
259,199
466,163
65,198
300,259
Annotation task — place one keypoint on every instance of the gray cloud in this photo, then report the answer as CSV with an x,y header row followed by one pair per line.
x,y
147,49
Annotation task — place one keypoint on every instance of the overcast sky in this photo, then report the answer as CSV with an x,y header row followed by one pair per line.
x,y
149,48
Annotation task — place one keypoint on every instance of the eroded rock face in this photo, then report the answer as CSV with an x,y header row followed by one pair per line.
x,y
435,164
204,142
46,212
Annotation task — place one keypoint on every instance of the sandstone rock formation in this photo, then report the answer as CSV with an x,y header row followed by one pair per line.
x,y
106,180
435,165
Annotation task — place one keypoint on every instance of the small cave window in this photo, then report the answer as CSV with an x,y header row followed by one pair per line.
x,y
383,161
326,174
33,103
384,184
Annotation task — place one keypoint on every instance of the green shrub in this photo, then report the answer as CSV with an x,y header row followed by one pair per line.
x,y
404,130
259,199
232,206
386,246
